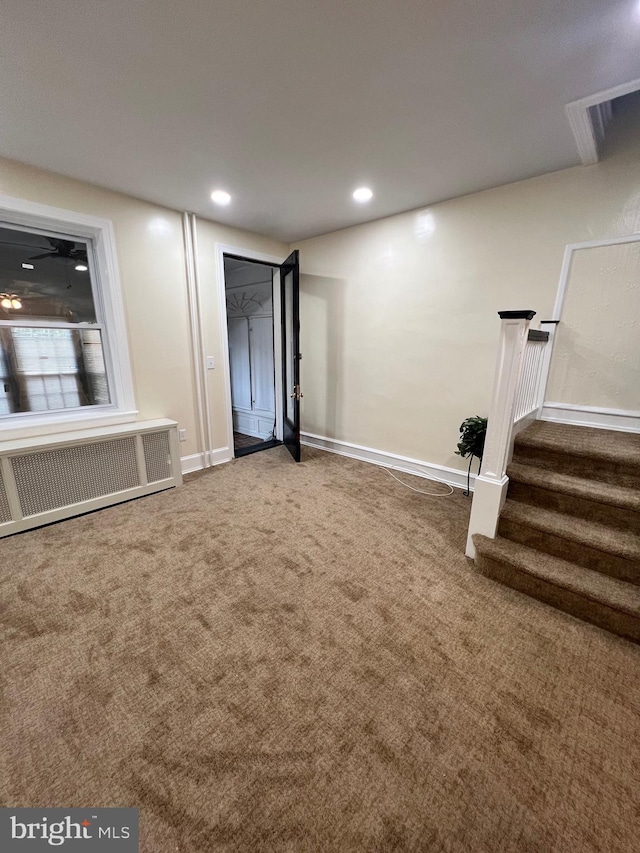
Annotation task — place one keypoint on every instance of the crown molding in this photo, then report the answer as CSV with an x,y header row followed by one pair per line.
x,y
587,134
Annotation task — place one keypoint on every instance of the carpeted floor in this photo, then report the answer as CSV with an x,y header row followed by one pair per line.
x,y
569,532
300,658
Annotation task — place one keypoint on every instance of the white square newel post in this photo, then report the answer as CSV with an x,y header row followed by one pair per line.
x,y
491,483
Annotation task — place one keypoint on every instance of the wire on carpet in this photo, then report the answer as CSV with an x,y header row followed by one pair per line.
x,y
421,491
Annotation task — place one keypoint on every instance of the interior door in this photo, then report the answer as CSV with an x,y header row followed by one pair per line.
x,y
290,292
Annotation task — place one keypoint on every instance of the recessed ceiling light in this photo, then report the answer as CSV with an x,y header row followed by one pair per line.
x,y
220,197
81,268
363,194
27,266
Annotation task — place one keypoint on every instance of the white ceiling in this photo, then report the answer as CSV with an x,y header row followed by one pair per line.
x,y
245,274
290,105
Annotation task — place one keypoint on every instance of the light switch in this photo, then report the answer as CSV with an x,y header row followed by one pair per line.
x,y
211,362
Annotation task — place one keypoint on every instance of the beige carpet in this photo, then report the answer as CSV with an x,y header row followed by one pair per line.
x,y
299,658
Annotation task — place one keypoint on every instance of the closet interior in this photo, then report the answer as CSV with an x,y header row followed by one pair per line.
x,y
249,298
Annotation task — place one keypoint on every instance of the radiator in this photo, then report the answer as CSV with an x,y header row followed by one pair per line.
x,y
49,478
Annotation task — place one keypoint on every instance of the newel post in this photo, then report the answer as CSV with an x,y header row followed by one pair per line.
x,y
491,483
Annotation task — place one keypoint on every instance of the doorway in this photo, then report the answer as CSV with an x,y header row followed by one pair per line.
x,y
251,301
261,360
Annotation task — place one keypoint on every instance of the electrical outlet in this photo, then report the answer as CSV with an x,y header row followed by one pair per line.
x,y
182,434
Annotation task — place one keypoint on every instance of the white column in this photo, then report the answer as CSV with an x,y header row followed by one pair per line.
x,y
491,484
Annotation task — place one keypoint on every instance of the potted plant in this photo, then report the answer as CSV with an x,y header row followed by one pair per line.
x,y
473,432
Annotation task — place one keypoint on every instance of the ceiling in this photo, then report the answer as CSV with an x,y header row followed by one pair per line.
x,y
244,273
291,105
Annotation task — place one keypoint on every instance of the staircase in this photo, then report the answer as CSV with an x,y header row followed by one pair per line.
x,y
569,532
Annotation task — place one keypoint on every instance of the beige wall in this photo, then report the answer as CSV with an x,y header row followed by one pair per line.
x,y
596,356
151,259
399,323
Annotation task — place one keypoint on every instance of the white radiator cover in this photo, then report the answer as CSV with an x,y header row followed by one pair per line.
x,y
53,477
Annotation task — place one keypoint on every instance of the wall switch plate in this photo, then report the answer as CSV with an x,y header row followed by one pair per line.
x,y
182,434
211,362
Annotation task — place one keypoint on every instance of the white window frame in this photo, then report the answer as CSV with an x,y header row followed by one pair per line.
x,y
103,265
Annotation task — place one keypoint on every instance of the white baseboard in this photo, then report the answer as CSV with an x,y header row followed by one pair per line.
x,y
192,463
591,416
450,476
219,455
196,462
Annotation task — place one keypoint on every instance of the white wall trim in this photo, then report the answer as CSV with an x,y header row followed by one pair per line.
x,y
201,337
219,455
198,461
562,289
568,256
417,467
90,417
583,132
591,416
194,329
578,113
192,463
108,293
223,249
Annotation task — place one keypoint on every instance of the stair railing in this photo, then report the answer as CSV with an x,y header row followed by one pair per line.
x,y
518,391
527,400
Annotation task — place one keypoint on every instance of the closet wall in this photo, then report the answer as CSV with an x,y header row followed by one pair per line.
x,y
249,295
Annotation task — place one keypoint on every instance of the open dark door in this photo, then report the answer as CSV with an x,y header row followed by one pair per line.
x,y
290,292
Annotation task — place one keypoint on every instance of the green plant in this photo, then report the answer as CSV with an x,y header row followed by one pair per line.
x,y
473,432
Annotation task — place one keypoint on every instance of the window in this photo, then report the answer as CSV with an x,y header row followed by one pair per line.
x,y
63,352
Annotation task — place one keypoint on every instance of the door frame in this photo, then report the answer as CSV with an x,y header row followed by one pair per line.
x,y
251,256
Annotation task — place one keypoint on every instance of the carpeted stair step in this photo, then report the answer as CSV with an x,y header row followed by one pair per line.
x,y
581,452
591,545
605,601
594,500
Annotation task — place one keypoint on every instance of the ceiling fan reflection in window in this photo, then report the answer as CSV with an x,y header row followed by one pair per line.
x,y
9,301
65,249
